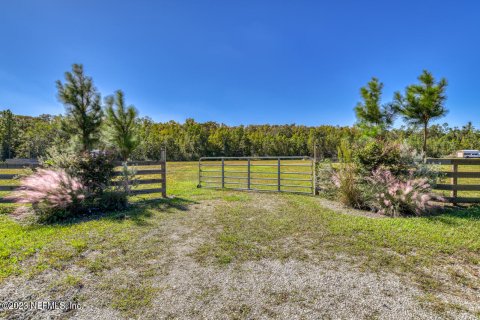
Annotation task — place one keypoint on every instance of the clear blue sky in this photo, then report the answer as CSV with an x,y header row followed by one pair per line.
x,y
240,62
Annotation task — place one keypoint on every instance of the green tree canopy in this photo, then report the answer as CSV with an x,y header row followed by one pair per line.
x,y
84,111
373,116
121,124
9,134
423,103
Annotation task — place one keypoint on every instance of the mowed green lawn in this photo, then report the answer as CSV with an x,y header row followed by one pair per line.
x,y
440,253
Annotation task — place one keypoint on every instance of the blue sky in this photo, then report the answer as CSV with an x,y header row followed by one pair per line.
x,y
240,62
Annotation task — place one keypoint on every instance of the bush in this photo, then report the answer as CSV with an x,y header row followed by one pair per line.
x,y
53,194
115,197
112,201
396,157
58,157
94,169
375,154
347,186
389,178
395,197
127,179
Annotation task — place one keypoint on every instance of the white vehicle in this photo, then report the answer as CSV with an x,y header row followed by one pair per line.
x,y
468,154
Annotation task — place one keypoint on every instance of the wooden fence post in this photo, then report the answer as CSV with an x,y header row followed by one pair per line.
x,y
164,178
454,182
248,174
278,178
314,170
199,173
223,173
164,173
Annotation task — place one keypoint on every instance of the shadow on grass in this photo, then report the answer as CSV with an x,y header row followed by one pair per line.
x,y
165,203
6,209
138,212
454,215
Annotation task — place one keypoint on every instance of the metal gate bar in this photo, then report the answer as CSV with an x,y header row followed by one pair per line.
x,y
257,178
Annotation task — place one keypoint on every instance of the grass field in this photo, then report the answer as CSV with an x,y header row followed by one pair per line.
x,y
462,168
206,253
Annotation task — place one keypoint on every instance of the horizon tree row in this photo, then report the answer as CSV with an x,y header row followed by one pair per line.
x,y
31,137
113,125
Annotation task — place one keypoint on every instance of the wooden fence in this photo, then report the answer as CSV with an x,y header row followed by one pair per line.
x,y
149,180
456,173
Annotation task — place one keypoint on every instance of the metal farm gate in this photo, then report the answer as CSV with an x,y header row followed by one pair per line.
x,y
281,174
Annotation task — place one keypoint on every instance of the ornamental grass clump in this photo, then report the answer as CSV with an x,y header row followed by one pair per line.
x,y
53,194
346,180
395,196
388,178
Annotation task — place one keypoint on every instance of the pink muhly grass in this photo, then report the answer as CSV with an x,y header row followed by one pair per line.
x,y
396,196
53,188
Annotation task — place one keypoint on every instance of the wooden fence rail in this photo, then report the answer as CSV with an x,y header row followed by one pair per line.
x,y
155,180
454,186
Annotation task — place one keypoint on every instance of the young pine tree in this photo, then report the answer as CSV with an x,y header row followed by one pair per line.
x,y
8,134
373,117
423,103
121,124
83,108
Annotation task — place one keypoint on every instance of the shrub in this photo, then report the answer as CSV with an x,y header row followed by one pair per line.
x,y
127,179
116,196
395,197
346,180
94,169
377,153
53,194
399,158
112,200
59,157
390,178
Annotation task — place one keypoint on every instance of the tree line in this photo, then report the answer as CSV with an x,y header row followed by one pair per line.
x,y
89,124
31,137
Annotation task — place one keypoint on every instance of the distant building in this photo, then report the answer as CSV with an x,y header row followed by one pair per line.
x,y
468,154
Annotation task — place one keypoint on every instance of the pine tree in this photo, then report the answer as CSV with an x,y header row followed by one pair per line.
x,y
372,116
423,103
121,124
8,133
83,107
